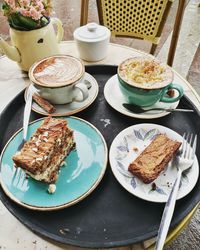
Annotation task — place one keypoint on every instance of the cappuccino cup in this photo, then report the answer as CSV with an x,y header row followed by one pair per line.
x,y
145,81
58,79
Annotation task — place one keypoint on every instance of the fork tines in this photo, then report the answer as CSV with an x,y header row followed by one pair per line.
x,y
189,145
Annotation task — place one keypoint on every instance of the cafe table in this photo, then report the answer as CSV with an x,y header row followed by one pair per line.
x,y
13,234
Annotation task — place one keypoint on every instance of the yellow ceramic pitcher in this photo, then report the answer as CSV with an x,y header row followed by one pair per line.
x,y
30,46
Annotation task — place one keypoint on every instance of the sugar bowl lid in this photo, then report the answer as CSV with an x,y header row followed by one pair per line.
x,y
91,32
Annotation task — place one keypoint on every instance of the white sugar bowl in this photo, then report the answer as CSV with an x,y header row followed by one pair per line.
x,y
92,41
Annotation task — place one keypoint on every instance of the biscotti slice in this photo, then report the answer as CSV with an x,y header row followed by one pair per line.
x,y
47,106
42,155
153,160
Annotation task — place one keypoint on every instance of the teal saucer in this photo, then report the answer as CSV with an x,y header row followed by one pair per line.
x,y
83,170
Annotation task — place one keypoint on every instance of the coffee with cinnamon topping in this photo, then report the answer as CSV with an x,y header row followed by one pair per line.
x,y
58,71
145,73
144,81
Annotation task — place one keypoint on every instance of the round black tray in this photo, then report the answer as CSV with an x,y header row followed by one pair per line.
x,y
110,216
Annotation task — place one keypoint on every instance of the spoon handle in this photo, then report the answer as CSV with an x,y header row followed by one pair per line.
x,y
138,110
171,110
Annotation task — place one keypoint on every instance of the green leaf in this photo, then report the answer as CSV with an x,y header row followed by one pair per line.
x,y
44,21
14,22
20,22
27,22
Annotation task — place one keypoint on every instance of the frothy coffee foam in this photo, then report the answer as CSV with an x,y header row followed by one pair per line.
x,y
145,73
58,70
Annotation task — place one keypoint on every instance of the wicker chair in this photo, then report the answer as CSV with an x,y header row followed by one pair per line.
x,y
141,19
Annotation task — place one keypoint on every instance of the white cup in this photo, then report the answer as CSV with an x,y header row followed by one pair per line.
x,y
58,79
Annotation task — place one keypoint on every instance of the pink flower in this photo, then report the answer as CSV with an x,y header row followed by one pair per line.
x,y
36,15
25,12
31,12
39,6
34,9
37,2
24,3
11,3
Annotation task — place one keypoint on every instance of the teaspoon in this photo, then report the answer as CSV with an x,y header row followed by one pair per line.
x,y
138,110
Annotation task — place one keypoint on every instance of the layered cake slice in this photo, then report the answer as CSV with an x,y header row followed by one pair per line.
x,y
153,160
42,156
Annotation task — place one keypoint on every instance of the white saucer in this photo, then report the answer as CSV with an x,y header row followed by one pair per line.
x,y
128,144
115,99
74,107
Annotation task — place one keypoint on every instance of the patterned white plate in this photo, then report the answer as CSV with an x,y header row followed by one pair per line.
x,y
128,144
115,99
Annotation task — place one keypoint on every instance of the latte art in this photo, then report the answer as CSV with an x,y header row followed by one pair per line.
x,y
58,71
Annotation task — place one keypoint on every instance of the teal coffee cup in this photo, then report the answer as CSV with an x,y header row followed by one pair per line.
x,y
145,81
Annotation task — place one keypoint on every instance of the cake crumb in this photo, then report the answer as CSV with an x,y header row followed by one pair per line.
x,y
153,186
63,163
64,230
52,188
135,149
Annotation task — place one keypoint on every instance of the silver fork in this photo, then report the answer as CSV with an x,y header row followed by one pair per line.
x,y
27,112
19,174
185,161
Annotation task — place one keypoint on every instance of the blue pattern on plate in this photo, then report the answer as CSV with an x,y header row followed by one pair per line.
x,y
160,190
122,148
133,182
138,137
145,135
121,165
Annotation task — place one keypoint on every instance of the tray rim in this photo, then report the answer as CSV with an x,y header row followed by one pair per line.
x,y
59,239
88,244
